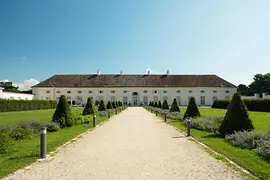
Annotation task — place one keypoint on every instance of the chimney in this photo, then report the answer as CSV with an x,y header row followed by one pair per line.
x,y
168,72
148,72
121,72
98,72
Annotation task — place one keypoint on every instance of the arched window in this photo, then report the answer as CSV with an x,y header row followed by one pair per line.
x,y
145,91
178,91
202,91
190,91
112,91
68,92
90,92
214,91
155,91
227,91
100,91
58,92
79,92
48,92
125,91
165,91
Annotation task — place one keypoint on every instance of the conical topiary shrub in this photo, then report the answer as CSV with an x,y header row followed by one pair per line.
x,y
159,104
236,118
97,102
156,104
175,107
165,105
102,106
109,105
192,109
89,108
62,114
113,104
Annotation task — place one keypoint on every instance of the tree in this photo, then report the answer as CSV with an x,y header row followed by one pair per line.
x,y
159,104
175,106
97,103
244,90
236,118
165,105
155,105
62,114
260,84
192,109
109,105
102,106
89,108
114,105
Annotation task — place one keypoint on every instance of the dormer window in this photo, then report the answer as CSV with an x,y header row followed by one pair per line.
x,y
48,92
68,92
190,91
125,91
58,92
227,91
165,92
145,91
112,91
202,91
100,91
90,92
155,91
214,91
79,92
178,91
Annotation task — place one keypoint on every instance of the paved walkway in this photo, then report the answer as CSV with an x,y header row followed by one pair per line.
x,y
134,145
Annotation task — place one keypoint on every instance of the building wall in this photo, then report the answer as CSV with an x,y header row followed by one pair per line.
x,y
15,96
53,94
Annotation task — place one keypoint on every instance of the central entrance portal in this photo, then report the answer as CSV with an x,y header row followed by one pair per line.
x,y
135,97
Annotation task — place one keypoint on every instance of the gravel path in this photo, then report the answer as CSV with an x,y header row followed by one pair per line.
x,y
133,145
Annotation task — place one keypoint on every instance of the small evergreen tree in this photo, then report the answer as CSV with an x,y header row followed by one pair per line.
x,y
109,105
97,102
192,109
119,104
156,104
159,104
89,108
102,106
165,105
113,105
175,107
150,104
62,114
236,118
116,104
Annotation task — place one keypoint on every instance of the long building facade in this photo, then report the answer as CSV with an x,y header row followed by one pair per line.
x,y
135,90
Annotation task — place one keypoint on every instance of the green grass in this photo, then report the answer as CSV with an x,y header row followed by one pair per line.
x,y
27,151
42,116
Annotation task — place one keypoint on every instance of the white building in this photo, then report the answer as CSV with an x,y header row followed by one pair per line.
x,y
135,89
15,96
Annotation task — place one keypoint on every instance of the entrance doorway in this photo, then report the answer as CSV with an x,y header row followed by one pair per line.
x,y
135,98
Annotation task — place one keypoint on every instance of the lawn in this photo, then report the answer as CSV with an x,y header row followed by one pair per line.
x,y
42,116
27,151
248,159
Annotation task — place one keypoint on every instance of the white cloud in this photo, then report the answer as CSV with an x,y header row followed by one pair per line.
x,y
26,85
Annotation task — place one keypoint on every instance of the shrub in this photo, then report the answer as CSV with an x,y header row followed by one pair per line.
x,y
23,105
97,103
208,124
114,105
89,108
192,109
159,104
155,104
102,106
263,147
165,105
5,140
62,114
52,126
109,105
175,106
34,125
20,133
103,113
245,139
236,118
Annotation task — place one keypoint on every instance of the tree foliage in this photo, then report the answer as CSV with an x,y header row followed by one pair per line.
x,y
109,105
159,104
175,106
89,108
102,106
165,105
192,109
261,83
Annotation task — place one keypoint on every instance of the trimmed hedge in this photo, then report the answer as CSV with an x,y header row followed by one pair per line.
x,y
24,105
261,105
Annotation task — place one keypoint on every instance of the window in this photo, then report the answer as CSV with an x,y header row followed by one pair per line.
x,y
202,91
90,92
125,100
125,91
58,92
214,91
145,91
155,98
178,91
68,92
190,91
47,98
79,92
165,98
227,91
112,98
178,99
100,91
165,92
214,98
155,91
48,92
145,100
112,91
100,98
202,100
79,98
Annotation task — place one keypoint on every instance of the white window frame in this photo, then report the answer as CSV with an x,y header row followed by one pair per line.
x,y
202,98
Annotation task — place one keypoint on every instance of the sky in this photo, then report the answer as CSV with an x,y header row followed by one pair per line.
x,y
41,38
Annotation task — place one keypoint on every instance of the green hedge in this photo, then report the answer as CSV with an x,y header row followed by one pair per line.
x,y
262,105
23,105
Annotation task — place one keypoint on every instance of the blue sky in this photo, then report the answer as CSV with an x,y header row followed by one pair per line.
x,y
41,38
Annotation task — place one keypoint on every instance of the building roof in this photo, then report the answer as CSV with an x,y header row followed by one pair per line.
x,y
139,80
